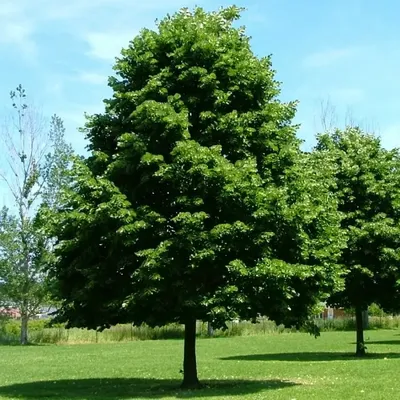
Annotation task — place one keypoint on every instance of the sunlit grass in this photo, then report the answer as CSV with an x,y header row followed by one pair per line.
x,y
285,366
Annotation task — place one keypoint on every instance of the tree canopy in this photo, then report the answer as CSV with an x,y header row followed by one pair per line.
x,y
368,188
196,201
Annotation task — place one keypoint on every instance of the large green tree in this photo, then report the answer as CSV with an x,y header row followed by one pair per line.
x,y
368,188
196,203
34,160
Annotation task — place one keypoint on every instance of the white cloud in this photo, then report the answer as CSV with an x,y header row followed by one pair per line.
x,y
20,19
107,46
73,8
329,57
92,78
75,114
17,30
390,136
42,10
9,8
54,88
347,95
53,9
74,118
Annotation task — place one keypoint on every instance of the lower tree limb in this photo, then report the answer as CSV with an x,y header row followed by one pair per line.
x,y
360,345
190,379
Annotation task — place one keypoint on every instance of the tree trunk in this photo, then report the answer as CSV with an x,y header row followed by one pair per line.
x,y
24,328
360,345
365,318
210,330
190,380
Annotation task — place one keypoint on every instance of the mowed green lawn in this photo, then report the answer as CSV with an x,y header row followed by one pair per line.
x,y
287,366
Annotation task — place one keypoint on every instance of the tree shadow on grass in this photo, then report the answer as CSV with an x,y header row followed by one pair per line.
x,y
388,342
133,388
310,356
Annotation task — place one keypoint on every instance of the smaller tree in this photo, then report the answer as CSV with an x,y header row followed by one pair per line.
x,y
368,189
36,159
22,256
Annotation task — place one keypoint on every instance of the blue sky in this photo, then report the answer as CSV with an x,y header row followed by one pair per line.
x,y
344,52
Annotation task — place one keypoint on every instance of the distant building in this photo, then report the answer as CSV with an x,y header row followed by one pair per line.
x,y
332,313
44,312
10,312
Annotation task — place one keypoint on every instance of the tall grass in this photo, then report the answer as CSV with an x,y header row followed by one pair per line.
x,y
349,324
40,333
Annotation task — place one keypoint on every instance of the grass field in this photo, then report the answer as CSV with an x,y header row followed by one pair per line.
x,y
286,366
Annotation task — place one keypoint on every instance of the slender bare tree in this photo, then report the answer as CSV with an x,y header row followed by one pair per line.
x,y
328,119
33,152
